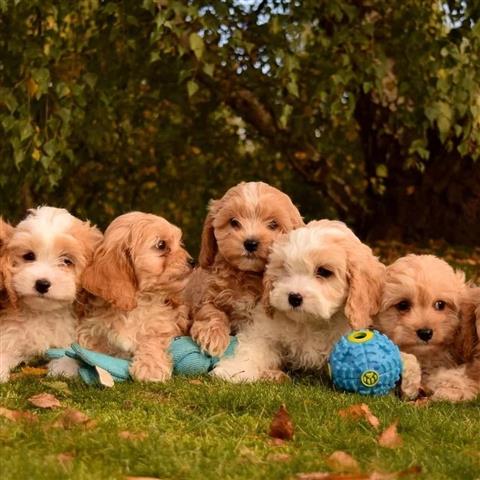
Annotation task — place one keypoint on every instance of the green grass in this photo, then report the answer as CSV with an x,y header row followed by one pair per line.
x,y
216,430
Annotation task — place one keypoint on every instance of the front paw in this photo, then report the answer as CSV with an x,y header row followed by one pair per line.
x,y
452,394
276,376
213,338
65,367
411,376
144,371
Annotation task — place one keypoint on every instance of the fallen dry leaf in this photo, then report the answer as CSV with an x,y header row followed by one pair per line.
x,y
16,415
195,381
415,470
104,377
65,459
342,462
126,435
358,411
72,417
30,372
390,438
282,425
45,400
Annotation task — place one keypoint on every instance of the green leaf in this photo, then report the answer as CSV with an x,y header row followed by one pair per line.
x,y
209,69
42,79
197,45
26,130
292,88
381,170
192,88
8,99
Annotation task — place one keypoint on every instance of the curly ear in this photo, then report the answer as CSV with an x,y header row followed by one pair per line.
x,y
6,231
89,236
366,275
208,246
111,276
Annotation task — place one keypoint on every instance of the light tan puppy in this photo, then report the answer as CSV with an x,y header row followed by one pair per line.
x,y
44,260
236,240
320,282
6,231
138,274
421,313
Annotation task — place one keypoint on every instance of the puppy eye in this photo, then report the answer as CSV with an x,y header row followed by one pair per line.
x,y
273,225
29,257
403,306
161,245
323,272
439,305
68,262
235,223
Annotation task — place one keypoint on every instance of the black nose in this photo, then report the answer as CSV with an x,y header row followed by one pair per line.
x,y
250,245
295,299
42,285
425,334
191,262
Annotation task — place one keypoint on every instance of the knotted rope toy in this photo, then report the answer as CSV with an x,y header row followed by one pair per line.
x,y
366,362
187,357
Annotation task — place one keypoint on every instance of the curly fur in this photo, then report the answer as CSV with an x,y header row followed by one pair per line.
x,y
138,275
228,284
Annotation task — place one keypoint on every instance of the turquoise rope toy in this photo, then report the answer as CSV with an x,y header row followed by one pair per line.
x,y
188,359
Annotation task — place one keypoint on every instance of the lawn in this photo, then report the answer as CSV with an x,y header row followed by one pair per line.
x,y
206,429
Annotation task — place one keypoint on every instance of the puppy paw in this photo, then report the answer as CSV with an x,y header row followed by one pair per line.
x,y
411,376
452,394
65,367
212,337
143,371
234,372
452,385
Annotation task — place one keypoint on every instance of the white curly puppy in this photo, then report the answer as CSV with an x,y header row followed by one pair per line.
x,y
41,266
320,281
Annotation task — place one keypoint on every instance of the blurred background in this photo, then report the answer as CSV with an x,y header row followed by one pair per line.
x,y
363,110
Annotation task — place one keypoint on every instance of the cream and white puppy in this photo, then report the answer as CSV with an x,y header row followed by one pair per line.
x,y
320,281
42,265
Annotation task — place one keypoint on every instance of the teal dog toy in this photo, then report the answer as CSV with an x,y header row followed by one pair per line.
x,y
188,359
366,362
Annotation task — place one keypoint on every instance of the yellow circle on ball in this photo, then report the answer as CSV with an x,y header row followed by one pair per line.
x,y
360,336
370,378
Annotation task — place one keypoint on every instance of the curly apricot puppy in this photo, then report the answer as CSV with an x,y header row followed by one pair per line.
x,y
236,240
138,274
6,231
421,313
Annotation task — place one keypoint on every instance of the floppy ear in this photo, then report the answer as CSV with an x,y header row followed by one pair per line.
x,y
366,275
265,300
295,217
208,246
111,276
6,265
89,236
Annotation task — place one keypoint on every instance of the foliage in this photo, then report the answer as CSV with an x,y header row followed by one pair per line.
x,y
159,105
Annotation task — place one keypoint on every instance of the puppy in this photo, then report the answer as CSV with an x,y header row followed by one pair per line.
x,y
43,263
138,274
320,281
236,239
6,232
421,313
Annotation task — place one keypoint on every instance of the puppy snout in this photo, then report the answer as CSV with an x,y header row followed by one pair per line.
x,y
425,334
42,285
295,299
190,262
251,245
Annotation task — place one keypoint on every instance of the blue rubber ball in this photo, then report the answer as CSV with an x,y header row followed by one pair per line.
x,y
366,362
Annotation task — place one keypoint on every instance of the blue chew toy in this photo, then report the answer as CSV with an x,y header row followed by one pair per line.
x,y
188,359
366,362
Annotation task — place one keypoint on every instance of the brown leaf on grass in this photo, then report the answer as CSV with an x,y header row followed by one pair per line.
x,y
16,415
359,411
390,438
30,372
71,418
342,462
282,425
126,435
45,400
195,381
65,459
412,471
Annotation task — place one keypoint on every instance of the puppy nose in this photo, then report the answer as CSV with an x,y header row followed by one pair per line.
x,y
191,262
42,285
425,334
295,299
250,244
